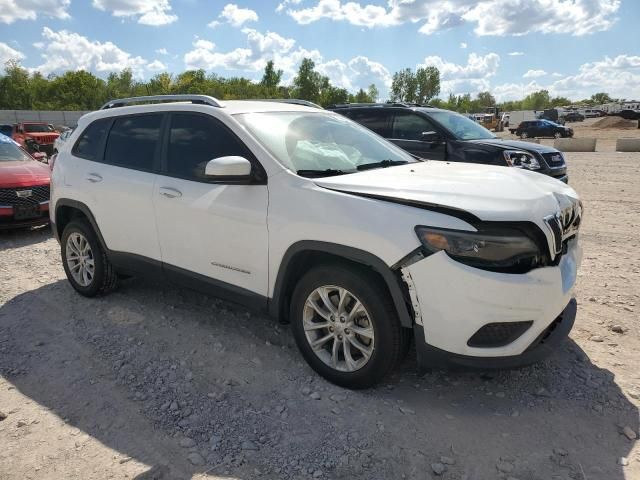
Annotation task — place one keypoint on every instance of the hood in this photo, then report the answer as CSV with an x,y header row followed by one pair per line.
x,y
516,145
23,174
488,192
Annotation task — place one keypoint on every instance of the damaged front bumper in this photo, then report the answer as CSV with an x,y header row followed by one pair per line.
x,y
472,317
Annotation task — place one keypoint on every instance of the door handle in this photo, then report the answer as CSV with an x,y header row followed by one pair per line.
x,y
170,192
94,178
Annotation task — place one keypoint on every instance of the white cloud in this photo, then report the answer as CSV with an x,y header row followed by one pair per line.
x,y
282,5
7,53
556,74
64,50
148,12
490,17
469,78
534,74
157,66
618,76
162,51
359,72
12,10
463,45
235,16
515,54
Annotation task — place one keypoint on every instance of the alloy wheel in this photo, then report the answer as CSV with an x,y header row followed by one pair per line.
x,y
338,328
80,259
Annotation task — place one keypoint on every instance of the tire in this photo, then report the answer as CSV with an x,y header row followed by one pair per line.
x,y
558,135
103,278
378,317
524,135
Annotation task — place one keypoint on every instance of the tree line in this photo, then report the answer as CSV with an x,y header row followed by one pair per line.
x,y
82,90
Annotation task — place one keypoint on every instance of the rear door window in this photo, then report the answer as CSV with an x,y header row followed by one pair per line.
x,y
409,126
133,142
90,145
377,120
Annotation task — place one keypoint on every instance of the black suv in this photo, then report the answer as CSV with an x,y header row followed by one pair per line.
x,y
437,134
542,128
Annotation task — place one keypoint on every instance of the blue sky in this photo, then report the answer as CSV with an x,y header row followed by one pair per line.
x,y
510,47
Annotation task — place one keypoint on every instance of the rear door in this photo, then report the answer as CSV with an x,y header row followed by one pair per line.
x,y
417,135
377,120
115,179
216,229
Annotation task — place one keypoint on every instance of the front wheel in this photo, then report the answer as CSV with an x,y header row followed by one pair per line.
x,y
524,135
558,135
84,260
345,325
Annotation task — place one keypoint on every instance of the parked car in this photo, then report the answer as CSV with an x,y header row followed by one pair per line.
x,y
590,113
437,134
629,114
61,139
6,130
35,136
324,224
573,116
24,187
542,128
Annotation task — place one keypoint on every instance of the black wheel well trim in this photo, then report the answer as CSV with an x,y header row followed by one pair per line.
x,y
278,303
85,210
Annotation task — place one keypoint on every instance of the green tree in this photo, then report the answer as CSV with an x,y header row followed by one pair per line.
x,y
404,86
600,98
427,84
15,91
485,99
272,77
537,100
307,83
373,93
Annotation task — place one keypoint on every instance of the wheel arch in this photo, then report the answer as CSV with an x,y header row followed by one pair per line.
x,y
301,255
68,210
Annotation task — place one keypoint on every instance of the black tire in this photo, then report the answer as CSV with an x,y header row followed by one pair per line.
x,y
524,135
105,278
391,340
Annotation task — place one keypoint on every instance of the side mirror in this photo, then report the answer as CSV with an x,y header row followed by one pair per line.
x,y
431,136
232,166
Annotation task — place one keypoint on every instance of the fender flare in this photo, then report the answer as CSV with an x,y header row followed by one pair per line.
x,y
67,202
391,280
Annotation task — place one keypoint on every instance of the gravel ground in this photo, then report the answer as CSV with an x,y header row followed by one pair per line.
x,y
158,382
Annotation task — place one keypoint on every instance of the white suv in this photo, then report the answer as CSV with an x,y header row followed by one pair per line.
x,y
325,225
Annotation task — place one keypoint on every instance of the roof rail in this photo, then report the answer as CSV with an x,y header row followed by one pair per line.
x,y
379,104
200,99
293,101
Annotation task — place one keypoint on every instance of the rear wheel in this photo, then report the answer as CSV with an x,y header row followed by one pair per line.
x,y
346,326
524,135
558,135
85,262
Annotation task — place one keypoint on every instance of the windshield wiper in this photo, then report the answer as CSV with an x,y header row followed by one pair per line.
x,y
321,173
381,164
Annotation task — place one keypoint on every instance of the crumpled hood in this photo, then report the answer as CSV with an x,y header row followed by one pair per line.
x,y
488,192
23,174
516,145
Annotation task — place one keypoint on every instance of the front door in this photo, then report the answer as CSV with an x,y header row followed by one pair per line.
x,y
215,232
417,135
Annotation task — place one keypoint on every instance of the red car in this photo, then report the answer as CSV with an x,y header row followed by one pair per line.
x,y
35,136
24,187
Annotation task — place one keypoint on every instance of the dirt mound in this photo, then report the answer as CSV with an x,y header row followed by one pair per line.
x,y
614,122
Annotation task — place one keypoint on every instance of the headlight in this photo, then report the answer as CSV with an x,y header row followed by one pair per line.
x,y
500,250
520,159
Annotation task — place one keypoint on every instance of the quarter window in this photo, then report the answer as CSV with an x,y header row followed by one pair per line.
x,y
133,141
89,145
196,139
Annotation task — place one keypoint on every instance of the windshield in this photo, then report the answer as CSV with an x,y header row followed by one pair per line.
x,y
462,127
319,142
10,152
37,128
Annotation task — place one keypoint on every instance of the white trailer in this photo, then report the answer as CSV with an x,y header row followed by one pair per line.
x,y
519,116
